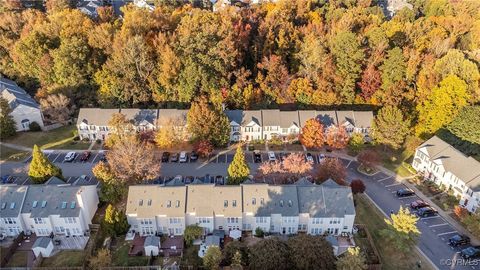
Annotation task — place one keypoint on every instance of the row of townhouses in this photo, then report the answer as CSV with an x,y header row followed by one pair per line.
x,y
285,209
61,209
441,163
92,123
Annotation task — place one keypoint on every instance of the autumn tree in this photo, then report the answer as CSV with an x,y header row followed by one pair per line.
x,y
238,170
207,123
112,188
442,105
337,137
133,161
390,127
312,135
357,186
115,222
191,233
370,82
41,168
356,142
369,158
212,258
274,79
204,148
402,229
7,124
311,252
270,254
331,168
120,127
231,249
57,108
237,261
296,165
353,259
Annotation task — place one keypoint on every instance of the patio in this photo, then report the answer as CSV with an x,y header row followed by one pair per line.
x,y
136,249
76,242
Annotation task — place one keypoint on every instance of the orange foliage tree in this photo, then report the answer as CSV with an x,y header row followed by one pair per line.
x,y
312,135
337,137
331,168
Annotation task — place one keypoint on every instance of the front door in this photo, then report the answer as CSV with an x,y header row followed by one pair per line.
x,y
67,232
284,230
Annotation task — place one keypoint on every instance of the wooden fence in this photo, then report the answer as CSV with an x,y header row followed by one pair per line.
x,y
11,250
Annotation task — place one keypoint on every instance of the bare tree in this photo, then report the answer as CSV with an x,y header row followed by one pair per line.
x,y
132,160
57,108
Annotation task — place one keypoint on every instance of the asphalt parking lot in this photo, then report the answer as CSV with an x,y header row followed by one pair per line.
x,y
59,157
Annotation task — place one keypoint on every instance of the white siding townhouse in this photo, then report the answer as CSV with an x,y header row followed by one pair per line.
x,y
441,163
284,209
245,125
25,109
44,209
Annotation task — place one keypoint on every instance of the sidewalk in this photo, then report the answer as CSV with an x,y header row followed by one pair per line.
x,y
16,146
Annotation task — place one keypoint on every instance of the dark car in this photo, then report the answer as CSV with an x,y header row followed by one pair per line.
x,y
103,158
257,157
219,180
85,156
189,179
418,204
165,156
459,240
193,156
470,253
405,192
174,157
426,212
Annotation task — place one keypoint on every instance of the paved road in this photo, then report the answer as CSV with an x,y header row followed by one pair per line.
x,y
381,188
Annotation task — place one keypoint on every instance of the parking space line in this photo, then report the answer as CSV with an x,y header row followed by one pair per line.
x,y
407,197
347,164
26,179
438,225
445,233
396,184
93,160
425,218
55,159
384,179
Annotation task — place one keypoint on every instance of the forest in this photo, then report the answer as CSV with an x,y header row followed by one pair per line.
x,y
304,53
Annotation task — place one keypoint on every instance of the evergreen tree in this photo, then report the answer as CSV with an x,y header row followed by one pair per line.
x,y
7,124
41,169
393,68
238,170
390,127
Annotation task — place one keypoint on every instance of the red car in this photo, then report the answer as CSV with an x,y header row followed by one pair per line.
x,y
418,204
85,156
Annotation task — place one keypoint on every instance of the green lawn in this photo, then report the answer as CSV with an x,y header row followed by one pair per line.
x,y
19,259
120,255
369,215
65,258
45,139
10,154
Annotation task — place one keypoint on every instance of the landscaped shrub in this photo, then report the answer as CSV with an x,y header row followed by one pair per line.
x,y
34,126
259,232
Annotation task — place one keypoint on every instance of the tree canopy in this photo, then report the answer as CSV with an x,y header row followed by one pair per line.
x,y
238,170
41,168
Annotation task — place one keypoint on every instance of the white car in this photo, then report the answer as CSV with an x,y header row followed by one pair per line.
x,y
70,157
183,157
309,157
271,156
321,157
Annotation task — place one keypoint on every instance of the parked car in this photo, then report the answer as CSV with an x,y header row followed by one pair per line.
x,y
470,253
183,157
165,156
459,240
257,157
193,156
405,192
219,180
271,156
70,157
426,212
309,157
174,157
85,156
418,204
321,157
103,158
189,179
7,179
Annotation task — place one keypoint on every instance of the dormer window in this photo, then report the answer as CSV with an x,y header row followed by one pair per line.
x,y
34,205
254,201
4,205
149,203
177,204
140,203
72,205
12,205
234,203
64,205
290,203
281,203
169,204
44,203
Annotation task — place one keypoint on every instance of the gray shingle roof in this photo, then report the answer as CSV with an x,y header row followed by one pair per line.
x,y
46,200
289,118
306,115
234,115
345,116
249,116
42,242
15,94
276,199
11,194
179,117
212,240
95,116
327,118
54,181
463,167
363,119
141,115
325,200
271,117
